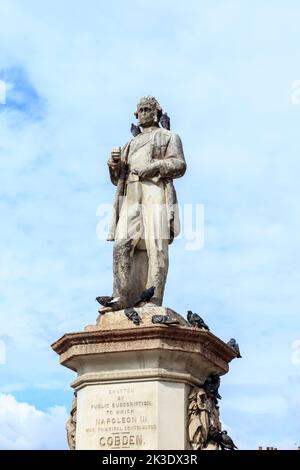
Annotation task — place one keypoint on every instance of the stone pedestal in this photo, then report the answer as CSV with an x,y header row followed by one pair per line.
x,y
134,382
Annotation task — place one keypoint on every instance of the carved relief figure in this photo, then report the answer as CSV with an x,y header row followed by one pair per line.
x,y
198,419
203,414
71,426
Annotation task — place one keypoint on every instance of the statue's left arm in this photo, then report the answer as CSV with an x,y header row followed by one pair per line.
x,y
173,164
167,157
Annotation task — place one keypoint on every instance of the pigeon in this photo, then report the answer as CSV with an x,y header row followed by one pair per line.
x,y
107,301
164,320
211,387
221,438
225,441
132,315
146,296
195,320
213,434
234,345
165,121
135,130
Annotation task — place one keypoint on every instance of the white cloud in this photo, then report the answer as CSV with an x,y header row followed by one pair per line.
x,y
3,87
23,427
228,93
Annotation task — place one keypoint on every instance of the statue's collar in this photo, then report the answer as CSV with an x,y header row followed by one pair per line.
x,y
147,130
141,139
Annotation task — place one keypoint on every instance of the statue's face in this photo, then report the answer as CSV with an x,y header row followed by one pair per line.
x,y
146,115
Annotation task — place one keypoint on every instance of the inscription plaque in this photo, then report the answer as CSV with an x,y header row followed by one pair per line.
x,y
116,416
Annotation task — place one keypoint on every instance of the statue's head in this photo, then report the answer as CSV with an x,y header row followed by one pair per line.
x,y
148,111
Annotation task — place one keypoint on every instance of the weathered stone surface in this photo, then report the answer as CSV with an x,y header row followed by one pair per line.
x,y
155,346
203,413
118,319
129,416
145,215
158,363
71,426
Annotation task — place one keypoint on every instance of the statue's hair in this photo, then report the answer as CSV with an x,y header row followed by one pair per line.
x,y
152,102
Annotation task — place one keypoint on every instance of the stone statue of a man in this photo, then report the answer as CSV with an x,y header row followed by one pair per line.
x,y
145,214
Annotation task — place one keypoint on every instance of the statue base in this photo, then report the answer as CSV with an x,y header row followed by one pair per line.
x,y
138,385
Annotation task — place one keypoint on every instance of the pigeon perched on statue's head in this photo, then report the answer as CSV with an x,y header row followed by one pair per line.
x,y
135,130
165,121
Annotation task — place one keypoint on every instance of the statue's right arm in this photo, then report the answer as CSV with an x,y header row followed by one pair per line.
x,y
114,173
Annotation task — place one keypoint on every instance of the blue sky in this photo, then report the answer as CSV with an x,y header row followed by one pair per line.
x,y
223,70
